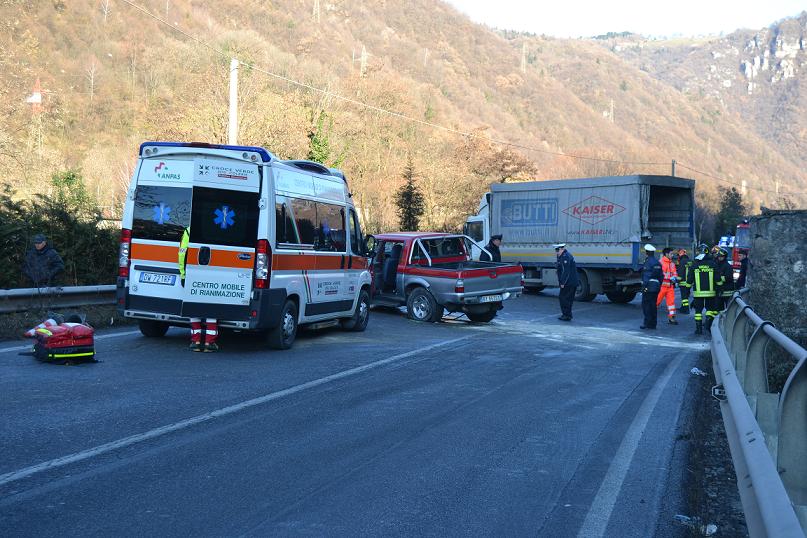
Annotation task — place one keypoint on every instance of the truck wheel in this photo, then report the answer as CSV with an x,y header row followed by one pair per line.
x,y
621,297
482,317
358,321
421,306
282,336
583,292
152,328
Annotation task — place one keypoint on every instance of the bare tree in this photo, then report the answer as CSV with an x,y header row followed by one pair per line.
x,y
92,74
105,9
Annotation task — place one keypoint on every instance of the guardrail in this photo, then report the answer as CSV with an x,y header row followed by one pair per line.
x,y
767,432
22,299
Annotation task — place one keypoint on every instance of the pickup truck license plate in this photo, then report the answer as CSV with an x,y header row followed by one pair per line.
x,y
490,298
158,278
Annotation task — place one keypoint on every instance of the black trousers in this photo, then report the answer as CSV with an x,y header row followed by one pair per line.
x,y
649,309
566,297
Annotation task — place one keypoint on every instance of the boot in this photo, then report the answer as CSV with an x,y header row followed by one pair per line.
x,y
709,324
211,347
195,346
684,309
699,327
672,320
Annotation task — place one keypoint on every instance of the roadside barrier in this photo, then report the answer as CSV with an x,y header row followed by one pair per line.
x,y
19,300
767,432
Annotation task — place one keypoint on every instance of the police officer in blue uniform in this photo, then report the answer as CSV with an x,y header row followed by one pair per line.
x,y
651,285
567,280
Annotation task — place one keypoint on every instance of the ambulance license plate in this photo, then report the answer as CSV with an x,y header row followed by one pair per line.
x,y
490,298
158,278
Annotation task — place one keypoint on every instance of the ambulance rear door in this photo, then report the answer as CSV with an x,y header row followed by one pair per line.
x,y
223,235
161,211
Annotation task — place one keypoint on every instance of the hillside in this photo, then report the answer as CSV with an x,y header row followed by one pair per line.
x,y
113,78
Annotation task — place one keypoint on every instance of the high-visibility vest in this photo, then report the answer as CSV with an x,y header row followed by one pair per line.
x,y
703,280
183,251
668,270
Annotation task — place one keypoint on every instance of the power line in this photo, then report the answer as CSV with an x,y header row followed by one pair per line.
x,y
724,180
379,109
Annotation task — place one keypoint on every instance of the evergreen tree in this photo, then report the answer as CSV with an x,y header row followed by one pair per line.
x,y
731,211
319,142
409,199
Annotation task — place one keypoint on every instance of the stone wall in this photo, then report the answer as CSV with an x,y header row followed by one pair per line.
x,y
777,272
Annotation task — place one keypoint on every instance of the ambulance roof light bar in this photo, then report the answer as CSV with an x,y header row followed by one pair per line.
x,y
265,155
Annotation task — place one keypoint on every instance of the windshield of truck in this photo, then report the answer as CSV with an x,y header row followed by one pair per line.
x,y
743,238
440,250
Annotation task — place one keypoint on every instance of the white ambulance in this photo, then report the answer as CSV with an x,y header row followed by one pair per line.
x,y
273,244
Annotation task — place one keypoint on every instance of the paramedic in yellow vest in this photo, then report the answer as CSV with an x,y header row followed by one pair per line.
x,y
211,330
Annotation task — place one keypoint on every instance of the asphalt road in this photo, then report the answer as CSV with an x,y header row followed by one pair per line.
x,y
527,426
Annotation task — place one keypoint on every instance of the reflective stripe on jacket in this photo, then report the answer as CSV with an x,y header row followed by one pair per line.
x,y
703,280
668,270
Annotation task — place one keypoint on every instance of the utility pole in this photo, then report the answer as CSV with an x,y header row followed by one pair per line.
x,y
232,131
744,187
363,64
673,168
35,136
315,12
611,115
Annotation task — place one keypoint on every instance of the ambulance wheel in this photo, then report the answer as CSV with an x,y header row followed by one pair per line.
x,y
282,336
152,329
421,306
358,321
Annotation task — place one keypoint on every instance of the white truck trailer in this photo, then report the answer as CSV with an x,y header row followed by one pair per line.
x,y
603,220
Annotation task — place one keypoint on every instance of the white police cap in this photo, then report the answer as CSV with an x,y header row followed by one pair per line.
x,y
559,245
650,248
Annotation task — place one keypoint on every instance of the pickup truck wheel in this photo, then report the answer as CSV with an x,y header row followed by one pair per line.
x,y
482,317
282,336
358,321
151,328
421,306
621,297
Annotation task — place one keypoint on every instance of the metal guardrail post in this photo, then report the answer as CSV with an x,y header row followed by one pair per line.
x,y
792,449
18,300
762,429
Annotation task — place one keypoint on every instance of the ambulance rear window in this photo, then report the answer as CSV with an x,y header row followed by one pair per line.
x,y
161,213
224,217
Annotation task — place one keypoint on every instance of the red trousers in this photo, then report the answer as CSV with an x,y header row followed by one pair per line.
x,y
667,292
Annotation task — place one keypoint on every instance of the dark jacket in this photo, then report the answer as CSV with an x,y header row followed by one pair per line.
x,y
651,270
724,278
702,278
684,267
567,270
42,266
494,250
743,274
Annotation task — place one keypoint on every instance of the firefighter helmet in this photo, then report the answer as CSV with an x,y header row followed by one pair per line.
x,y
703,248
721,253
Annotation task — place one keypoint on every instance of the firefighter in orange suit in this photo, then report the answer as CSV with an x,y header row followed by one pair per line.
x,y
670,275
211,329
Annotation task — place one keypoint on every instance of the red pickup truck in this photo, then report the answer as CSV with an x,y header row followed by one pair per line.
x,y
433,272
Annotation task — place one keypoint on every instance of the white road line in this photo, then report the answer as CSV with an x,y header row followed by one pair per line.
x,y
599,514
100,337
181,425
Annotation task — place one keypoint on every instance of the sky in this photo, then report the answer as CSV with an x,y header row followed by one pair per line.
x,y
655,18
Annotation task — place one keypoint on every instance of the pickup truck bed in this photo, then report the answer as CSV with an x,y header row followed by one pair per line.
x,y
446,279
